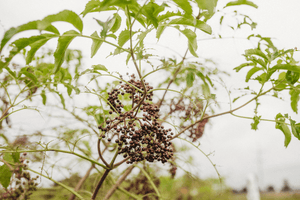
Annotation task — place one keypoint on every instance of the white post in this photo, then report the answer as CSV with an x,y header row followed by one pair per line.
x,y
252,188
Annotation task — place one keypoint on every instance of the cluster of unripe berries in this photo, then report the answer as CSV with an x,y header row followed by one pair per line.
x,y
138,132
24,183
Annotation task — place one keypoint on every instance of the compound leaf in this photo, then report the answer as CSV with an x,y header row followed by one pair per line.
x,y
63,43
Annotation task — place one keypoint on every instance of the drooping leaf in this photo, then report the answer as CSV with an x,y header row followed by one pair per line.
x,y
295,129
190,77
295,98
281,125
117,23
63,43
5,175
96,44
62,99
195,23
44,97
36,46
192,42
241,2
65,16
29,26
159,31
251,72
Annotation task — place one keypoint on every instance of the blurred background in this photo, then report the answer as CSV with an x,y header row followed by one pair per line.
x,y
236,150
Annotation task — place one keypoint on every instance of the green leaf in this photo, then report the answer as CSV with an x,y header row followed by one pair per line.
x,y
91,6
184,5
192,22
294,68
208,5
96,44
251,72
192,42
257,52
241,66
295,97
66,16
292,77
5,175
255,122
37,45
295,129
44,97
281,125
99,67
241,2
151,11
117,23
29,26
190,77
62,99
63,43
124,37
160,29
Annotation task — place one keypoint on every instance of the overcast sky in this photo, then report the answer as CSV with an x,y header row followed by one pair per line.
x,y
235,148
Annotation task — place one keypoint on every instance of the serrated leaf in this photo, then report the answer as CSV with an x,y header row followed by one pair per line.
x,y
151,11
5,175
117,23
44,97
255,122
29,26
124,37
63,43
90,6
191,22
294,68
295,132
241,2
190,77
257,52
251,72
65,16
184,5
192,42
208,5
37,45
295,98
96,44
159,31
281,125
241,66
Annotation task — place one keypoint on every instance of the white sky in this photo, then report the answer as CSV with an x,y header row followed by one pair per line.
x,y
237,150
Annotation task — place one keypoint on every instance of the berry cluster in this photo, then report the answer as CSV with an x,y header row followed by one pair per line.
x,y
24,184
139,134
190,111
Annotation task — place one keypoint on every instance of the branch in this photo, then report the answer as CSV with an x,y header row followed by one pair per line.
x,y
100,183
118,183
223,113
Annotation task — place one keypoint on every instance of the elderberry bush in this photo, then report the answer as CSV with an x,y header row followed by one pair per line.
x,y
139,135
